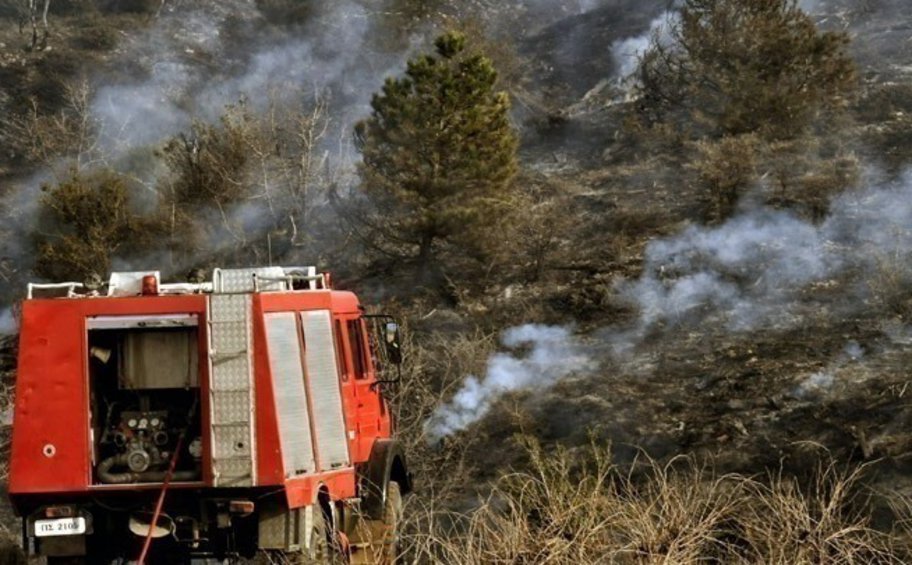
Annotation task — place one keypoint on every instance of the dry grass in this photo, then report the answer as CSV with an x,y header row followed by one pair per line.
x,y
559,511
577,505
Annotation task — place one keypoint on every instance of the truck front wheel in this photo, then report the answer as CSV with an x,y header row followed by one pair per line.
x,y
392,516
376,542
319,551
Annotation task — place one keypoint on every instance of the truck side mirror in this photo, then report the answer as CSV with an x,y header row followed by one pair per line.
x,y
391,340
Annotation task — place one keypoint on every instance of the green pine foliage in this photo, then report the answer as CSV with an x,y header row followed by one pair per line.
x,y
439,158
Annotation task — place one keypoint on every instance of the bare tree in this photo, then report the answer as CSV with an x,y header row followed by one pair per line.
x,y
70,131
288,167
33,11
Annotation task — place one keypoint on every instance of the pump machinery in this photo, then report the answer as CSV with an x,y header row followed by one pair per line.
x,y
236,420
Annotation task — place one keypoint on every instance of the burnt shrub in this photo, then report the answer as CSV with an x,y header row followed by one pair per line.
x,y
95,34
48,87
129,6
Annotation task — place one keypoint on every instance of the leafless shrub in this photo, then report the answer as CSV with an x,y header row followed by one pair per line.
x,y
434,367
889,281
246,186
71,131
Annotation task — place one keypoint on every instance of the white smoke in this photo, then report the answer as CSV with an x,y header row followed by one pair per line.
x,y
194,70
545,12
552,353
755,270
821,382
8,323
193,61
810,6
628,52
815,385
762,269
853,351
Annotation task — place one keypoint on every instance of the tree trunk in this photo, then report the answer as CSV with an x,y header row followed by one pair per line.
x,y
424,260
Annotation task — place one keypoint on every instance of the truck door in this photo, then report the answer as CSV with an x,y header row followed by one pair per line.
x,y
358,374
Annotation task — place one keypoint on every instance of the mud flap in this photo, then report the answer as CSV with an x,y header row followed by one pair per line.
x,y
284,529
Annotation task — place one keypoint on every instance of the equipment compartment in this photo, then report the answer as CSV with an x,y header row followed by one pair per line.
x,y
144,384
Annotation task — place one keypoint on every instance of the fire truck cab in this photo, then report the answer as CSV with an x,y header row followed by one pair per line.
x,y
234,419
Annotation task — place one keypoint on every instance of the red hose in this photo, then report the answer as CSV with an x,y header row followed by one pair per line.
x,y
161,501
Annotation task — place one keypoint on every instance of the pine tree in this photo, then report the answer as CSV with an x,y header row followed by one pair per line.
x,y
740,88
439,157
732,67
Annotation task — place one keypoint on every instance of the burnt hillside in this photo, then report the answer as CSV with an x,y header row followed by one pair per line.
x,y
703,292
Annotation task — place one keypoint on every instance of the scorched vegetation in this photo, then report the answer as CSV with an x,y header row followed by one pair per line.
x,y
652,258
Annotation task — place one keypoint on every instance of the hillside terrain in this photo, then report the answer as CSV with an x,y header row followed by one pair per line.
x,y
661,340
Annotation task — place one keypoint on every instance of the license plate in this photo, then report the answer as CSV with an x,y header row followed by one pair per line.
x,y
60,527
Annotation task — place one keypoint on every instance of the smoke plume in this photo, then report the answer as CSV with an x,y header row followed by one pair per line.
x,y
754,271
547,354
195,59
8,324
628,52
762,269
328,52
821,382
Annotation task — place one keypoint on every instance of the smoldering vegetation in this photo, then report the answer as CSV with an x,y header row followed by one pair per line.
x,y
552,354
690,343
754,271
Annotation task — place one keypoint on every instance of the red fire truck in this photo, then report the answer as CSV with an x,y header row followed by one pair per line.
x,y
236,419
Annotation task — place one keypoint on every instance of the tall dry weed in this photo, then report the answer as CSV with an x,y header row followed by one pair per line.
x,y
564,509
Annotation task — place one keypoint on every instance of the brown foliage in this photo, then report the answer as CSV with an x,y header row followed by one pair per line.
x,y
88,220
735,67
727,167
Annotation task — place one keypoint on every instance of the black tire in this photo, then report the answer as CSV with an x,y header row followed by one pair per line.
x,y
320,551
379,539
392,516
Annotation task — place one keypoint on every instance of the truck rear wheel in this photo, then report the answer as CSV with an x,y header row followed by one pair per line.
x,y
376,542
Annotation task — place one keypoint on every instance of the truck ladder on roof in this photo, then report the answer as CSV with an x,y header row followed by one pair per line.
x,y
231,390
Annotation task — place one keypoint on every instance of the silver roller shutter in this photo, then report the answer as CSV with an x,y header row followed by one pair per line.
x,y
290,396
320,360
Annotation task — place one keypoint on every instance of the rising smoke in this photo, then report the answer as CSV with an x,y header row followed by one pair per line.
x,y
821,382
8,324
753,272
327,53
627,52
548,354
195,59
